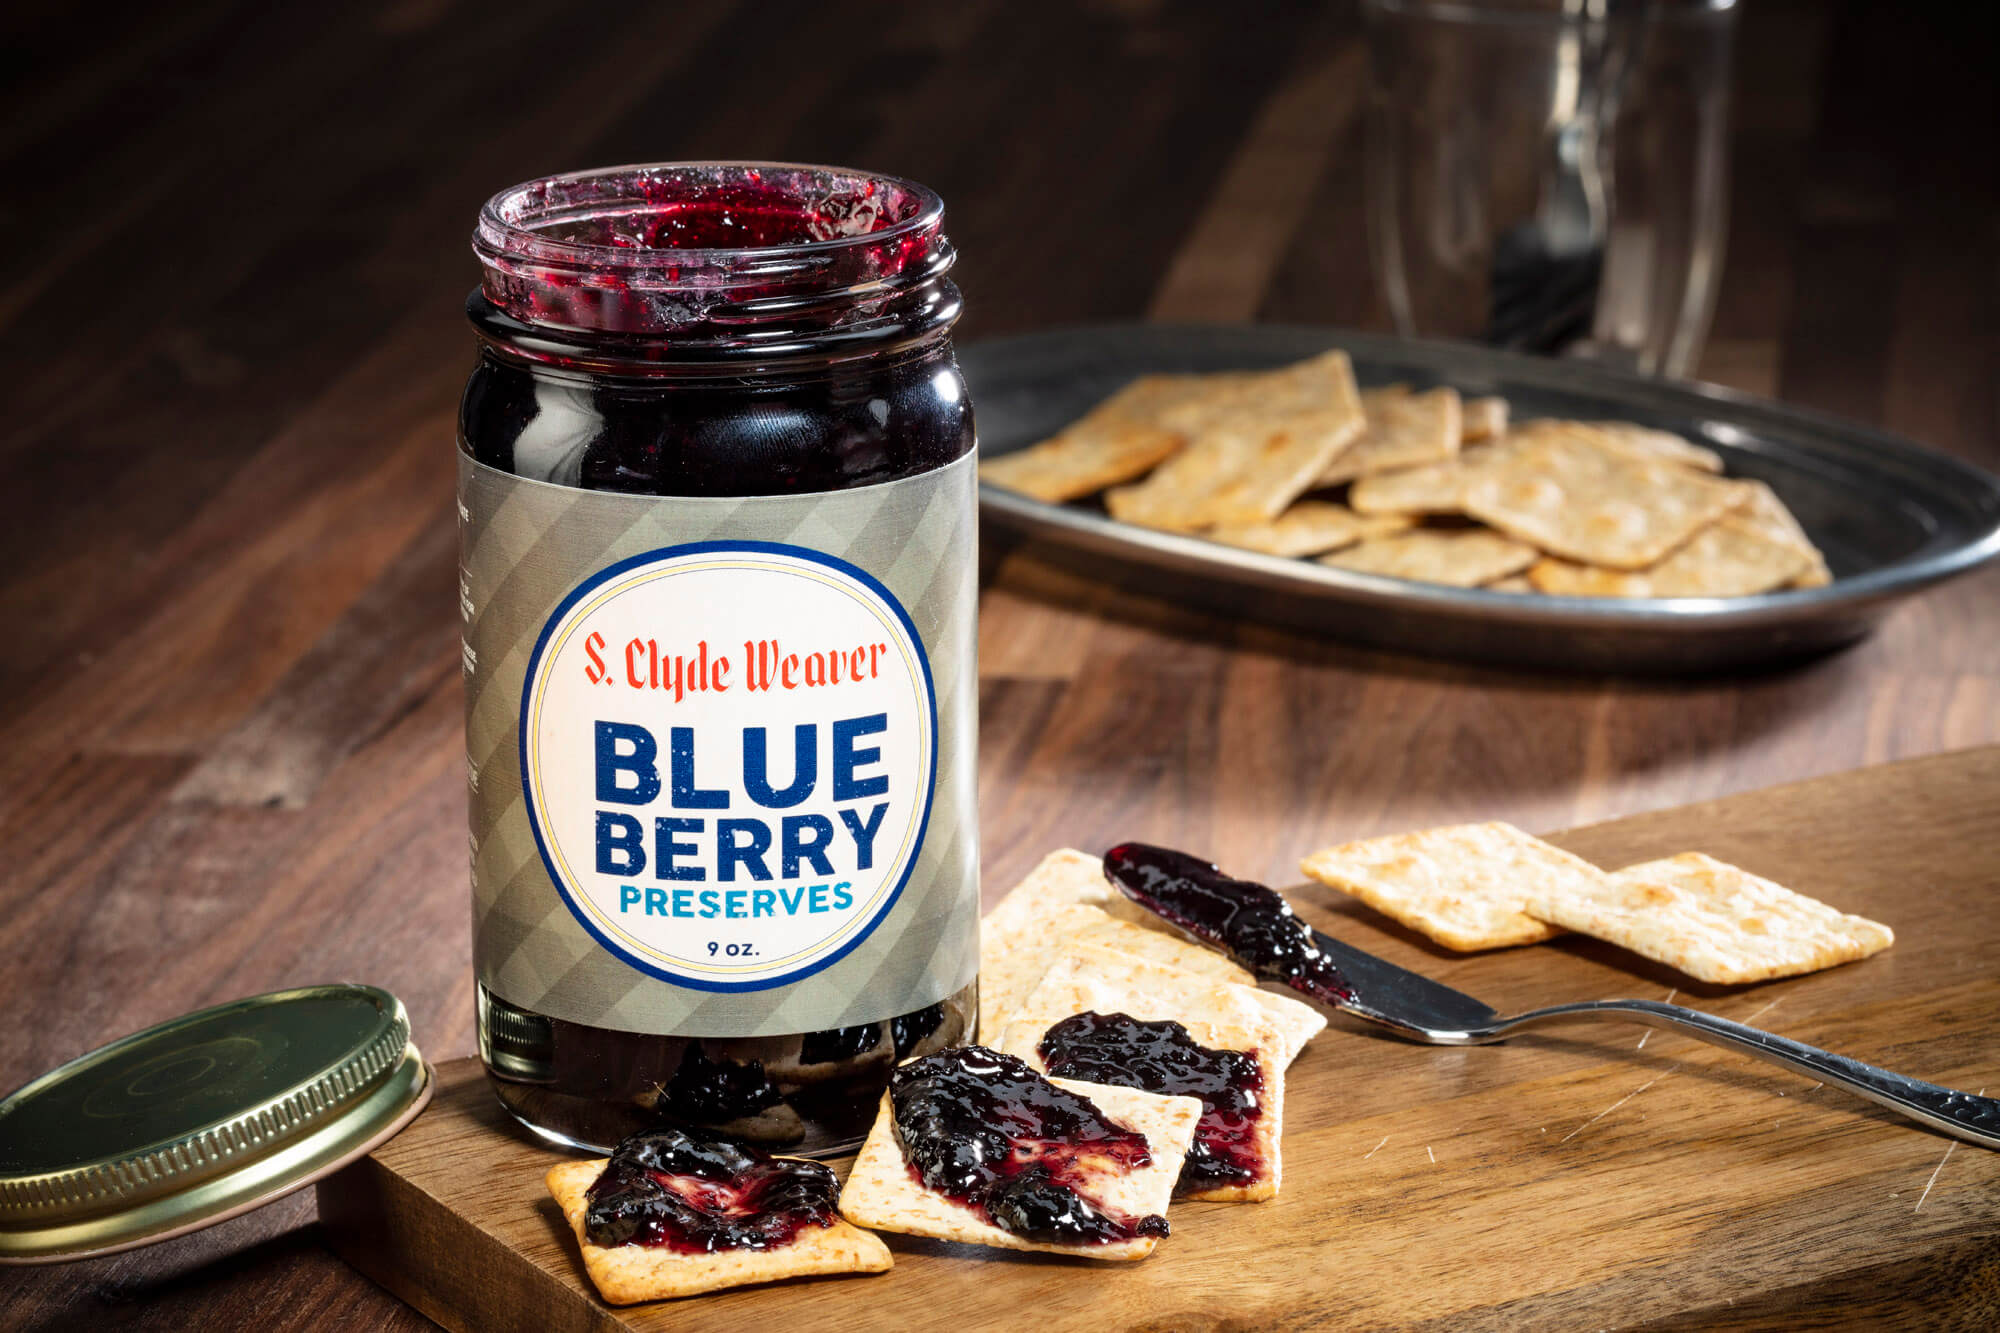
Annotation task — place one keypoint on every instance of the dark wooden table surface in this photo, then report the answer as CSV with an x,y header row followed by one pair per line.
x,y
232,255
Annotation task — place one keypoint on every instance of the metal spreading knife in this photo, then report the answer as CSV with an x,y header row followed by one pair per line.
x,y
1255,926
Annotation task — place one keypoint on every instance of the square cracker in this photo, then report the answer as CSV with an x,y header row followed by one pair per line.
x,y
1482,419
1435,488
1310,527
1256,444
1463,559
1571,496
1067,908
1217,1019
1172,497
1064,901
1646,442
1175,991
1015,952
1286,443
1315,384
1711,920
1119,439
1464,886
1404,429
1768,515
1727,559
883,1193
628,1274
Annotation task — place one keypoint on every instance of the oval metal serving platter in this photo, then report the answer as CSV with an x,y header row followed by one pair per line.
x,y
1892,517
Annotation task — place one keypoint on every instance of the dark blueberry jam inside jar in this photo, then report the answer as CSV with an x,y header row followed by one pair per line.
x,y
721,335
1161,1057
715,330
696,1195
985,1129
1252,923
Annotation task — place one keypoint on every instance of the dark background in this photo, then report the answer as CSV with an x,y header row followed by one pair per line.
x,y
232,260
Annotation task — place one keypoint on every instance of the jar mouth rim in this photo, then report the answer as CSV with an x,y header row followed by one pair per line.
x,y
506,229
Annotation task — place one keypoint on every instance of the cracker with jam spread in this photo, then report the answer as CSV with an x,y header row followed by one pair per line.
x,y
1062,910
1173,991
972,1145
1139,1025
671,1215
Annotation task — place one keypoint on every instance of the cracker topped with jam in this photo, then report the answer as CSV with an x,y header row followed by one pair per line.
x,y
973,1145
673,1213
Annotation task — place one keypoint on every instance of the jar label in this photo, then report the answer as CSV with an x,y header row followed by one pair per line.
x,y
720,752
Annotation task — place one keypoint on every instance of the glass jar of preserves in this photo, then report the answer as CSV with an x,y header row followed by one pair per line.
x,y
718,581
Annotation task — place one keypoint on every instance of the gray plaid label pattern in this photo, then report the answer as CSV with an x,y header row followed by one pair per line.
x,y
524,546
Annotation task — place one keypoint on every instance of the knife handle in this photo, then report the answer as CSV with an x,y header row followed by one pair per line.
x,y
1960,1114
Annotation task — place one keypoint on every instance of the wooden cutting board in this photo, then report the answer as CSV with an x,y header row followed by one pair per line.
x,y
1586,1177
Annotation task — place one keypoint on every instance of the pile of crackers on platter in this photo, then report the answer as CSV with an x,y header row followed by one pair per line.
x,y
1420,484
1066,942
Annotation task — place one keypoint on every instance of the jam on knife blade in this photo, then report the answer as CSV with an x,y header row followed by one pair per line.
x,y
1251,923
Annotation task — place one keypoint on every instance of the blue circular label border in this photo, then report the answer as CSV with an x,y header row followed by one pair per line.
x,y
654,556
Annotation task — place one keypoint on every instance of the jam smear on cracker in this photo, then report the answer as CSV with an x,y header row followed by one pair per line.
x,y
1251,923
697,1195
1161,1057
988,1131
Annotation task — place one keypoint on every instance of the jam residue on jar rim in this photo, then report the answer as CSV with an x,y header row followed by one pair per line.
x,y
697,1194
735,256
986,1130
1250,922
1160,1056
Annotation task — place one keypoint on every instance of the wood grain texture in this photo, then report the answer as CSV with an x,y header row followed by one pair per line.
x,y
1576,1178
230,344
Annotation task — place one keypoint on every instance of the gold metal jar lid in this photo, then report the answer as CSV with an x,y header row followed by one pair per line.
x,y
202,1118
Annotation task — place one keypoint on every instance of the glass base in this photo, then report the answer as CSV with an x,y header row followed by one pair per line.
x,y
811,1094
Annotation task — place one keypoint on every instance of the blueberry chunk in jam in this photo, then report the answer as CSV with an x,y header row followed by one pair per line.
x,y
837,1044
1251,923
717,1090
696,1194
910,1030
985,1129
1161,1057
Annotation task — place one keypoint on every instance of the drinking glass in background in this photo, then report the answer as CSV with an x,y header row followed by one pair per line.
x,y
1551,175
